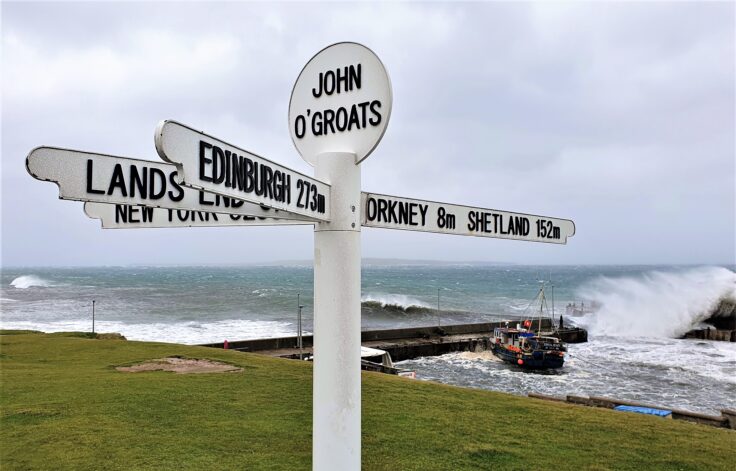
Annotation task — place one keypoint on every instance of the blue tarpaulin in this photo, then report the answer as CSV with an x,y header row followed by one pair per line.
x,y
645,410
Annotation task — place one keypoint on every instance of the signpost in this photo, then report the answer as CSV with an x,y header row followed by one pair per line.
x,y
338,112
209,164
339,109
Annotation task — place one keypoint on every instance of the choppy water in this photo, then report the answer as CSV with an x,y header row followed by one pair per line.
x,y
688,374
632,353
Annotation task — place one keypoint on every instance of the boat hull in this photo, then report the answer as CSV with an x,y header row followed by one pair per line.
x,y
533,360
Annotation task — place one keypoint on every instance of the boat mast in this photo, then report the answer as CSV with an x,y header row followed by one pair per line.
x,y
541,303
553,301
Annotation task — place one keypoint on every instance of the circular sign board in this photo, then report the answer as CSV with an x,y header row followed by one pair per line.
x,y
341,102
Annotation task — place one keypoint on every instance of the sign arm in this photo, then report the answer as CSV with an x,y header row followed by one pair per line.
x,y
393,212
210,164
125,216
102,178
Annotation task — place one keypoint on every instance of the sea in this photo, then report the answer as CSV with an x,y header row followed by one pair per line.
x,y
633,350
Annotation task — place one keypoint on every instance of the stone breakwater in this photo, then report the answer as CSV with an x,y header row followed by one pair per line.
x,y
723,322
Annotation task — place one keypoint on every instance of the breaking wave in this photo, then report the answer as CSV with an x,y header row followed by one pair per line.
x,y
394,303
657,303
28,281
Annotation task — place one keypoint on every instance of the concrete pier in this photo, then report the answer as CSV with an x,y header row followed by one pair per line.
x,y
723,322
723,335
402,344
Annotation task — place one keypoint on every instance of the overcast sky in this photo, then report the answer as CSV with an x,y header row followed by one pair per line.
x,y
618,116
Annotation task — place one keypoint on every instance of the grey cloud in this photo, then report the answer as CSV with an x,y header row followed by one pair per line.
x,y
620,116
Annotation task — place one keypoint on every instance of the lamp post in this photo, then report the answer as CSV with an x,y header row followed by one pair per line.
x,y
93,316
438,308
299,327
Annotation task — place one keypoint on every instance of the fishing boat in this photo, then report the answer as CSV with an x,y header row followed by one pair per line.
x,y
526,347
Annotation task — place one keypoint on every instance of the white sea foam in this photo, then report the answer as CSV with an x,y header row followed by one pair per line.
x,y
689,374
518,307
263,292
393,300
181,332
656,304
485,355
29,281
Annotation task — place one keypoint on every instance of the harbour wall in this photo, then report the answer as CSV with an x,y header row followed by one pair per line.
x,y
723,320
402,344
712,334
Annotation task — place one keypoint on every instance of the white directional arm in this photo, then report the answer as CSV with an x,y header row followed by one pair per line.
x,y
210,164
88,176
124,216
392,212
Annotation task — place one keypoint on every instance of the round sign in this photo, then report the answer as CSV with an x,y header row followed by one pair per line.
x,y
341,102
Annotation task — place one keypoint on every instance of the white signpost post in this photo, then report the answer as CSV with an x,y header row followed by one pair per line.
x,y
338,112
339,109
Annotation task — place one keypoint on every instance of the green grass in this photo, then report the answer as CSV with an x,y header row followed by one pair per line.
x,y
64,406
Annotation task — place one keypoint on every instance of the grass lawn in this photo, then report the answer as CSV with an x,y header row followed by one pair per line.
x,y
64,406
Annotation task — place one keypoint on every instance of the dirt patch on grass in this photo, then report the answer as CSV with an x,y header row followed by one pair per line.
x,y
181,366
110,336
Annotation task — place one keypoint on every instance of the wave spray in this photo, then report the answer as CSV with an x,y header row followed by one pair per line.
x,y
657,303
